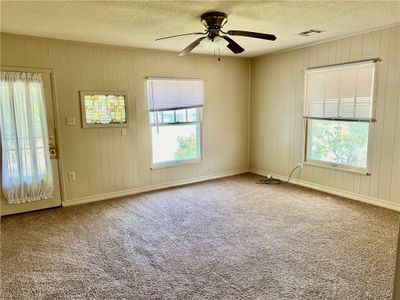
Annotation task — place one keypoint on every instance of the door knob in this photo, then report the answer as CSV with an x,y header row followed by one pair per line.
x,y
53,151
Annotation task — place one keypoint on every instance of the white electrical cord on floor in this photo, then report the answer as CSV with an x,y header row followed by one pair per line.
x,y
271,180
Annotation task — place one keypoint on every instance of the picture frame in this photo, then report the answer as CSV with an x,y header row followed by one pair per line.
x,y
96,111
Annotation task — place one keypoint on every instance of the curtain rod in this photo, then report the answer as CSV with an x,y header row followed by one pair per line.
x,y
172,78
7,68
369,120
351,63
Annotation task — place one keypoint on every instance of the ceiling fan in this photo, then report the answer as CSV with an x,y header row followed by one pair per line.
x,y
214,21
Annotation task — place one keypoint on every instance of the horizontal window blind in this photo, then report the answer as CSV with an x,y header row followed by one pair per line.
x,y
169,94
340,92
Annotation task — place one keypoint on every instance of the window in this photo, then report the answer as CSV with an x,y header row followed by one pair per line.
x,y
103,109
175,112
338,113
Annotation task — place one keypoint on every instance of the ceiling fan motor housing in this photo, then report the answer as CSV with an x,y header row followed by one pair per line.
x,y
214,21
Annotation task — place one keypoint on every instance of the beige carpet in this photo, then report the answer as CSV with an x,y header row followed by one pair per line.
x,y
222,239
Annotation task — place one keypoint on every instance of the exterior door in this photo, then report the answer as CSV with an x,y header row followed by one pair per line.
x,y
7,209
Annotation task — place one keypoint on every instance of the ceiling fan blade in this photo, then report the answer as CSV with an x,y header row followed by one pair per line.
x,y
257,35
183,34
233,46
191,46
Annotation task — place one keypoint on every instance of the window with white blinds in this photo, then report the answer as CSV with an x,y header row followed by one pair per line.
x,y
172,94
338,111
343,92
175,115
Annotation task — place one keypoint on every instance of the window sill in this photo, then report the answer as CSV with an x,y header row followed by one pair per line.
x,y
173,164
337,168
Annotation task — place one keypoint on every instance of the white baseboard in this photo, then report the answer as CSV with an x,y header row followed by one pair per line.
x,y
334,191
330,190
148,188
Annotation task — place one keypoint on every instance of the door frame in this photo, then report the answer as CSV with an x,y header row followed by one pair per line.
x,y
396,285
56,117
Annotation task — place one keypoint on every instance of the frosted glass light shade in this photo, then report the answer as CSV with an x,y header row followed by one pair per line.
x,y
217,43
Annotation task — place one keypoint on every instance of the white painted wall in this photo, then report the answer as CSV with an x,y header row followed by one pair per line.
x,y
109,164
277,127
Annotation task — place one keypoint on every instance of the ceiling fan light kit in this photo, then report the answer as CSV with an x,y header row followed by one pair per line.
x,y
215,38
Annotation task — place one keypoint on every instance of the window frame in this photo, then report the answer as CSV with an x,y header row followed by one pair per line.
x,y
85,125
336,166
174,163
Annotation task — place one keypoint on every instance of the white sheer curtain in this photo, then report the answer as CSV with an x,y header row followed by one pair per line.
x,y
26,168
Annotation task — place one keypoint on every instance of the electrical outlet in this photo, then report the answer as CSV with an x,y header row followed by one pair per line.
x,y
70,121
72,176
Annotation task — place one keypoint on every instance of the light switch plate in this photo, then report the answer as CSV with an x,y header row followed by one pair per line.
x,y
70,121
123,131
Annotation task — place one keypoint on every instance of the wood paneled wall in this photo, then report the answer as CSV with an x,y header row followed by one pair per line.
x,y
277,127
107,162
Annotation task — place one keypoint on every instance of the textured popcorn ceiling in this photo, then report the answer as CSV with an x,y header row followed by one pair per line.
x,y
137,24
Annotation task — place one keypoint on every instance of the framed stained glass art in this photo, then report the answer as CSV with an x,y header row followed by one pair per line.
x,y
104,109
